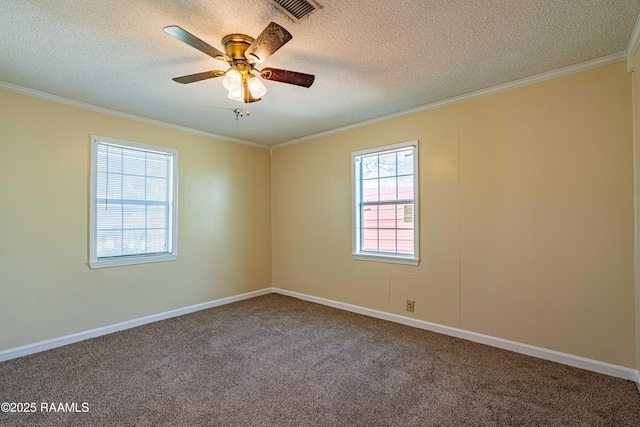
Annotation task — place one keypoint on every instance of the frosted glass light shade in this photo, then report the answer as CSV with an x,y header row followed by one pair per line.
x,y
236,95
232,80
256,87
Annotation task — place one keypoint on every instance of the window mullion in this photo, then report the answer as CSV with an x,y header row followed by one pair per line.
x,y
146,230
395,209
361,209
168,208
378,207
388,202
121,205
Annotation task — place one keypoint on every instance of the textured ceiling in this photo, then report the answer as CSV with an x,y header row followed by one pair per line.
x,y
370,58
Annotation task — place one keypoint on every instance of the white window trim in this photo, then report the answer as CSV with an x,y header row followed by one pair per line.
x,y
95,262
356,252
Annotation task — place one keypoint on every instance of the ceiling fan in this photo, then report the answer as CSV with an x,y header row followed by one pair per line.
x,y
243,53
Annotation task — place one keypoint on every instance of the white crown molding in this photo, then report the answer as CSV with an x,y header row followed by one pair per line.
x,y
86,106
605,60
529,350
560,72
632,45
37,347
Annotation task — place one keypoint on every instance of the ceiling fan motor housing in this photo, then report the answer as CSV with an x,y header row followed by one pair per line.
x,y
235,45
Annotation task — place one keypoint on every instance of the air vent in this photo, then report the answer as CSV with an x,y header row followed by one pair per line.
x,y
296,9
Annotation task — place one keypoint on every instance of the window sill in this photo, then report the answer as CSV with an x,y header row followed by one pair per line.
x,y
132,260
408,260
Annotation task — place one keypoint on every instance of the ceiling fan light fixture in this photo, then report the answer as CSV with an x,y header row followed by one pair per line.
x,y
236,95
256,87
242,52
232,80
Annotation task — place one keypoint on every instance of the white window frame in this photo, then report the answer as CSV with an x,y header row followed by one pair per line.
x,y
357,252
94,261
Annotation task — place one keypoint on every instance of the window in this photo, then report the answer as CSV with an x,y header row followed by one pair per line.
x,y
133,203
385,203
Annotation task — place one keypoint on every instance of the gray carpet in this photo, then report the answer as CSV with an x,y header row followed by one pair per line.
x,y
279,361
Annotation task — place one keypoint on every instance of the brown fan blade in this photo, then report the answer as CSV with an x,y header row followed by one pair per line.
x,y
193,41
270,39
286,76
200,76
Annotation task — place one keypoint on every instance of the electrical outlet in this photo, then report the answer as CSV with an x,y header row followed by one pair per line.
x,y
411,305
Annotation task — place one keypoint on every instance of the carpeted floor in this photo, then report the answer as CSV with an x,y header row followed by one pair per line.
x,y
279,361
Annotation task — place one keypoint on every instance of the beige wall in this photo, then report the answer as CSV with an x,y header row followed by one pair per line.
x,y
636,153
46,289
526,217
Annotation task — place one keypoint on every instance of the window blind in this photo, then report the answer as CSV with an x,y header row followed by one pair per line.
x,y
134,201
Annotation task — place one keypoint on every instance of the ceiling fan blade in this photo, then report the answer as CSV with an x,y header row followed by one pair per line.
x,y
286,76
270,39
200,76
193,41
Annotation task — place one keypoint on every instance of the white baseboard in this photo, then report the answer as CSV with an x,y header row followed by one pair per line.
x,y
13,353
542,353
530,350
